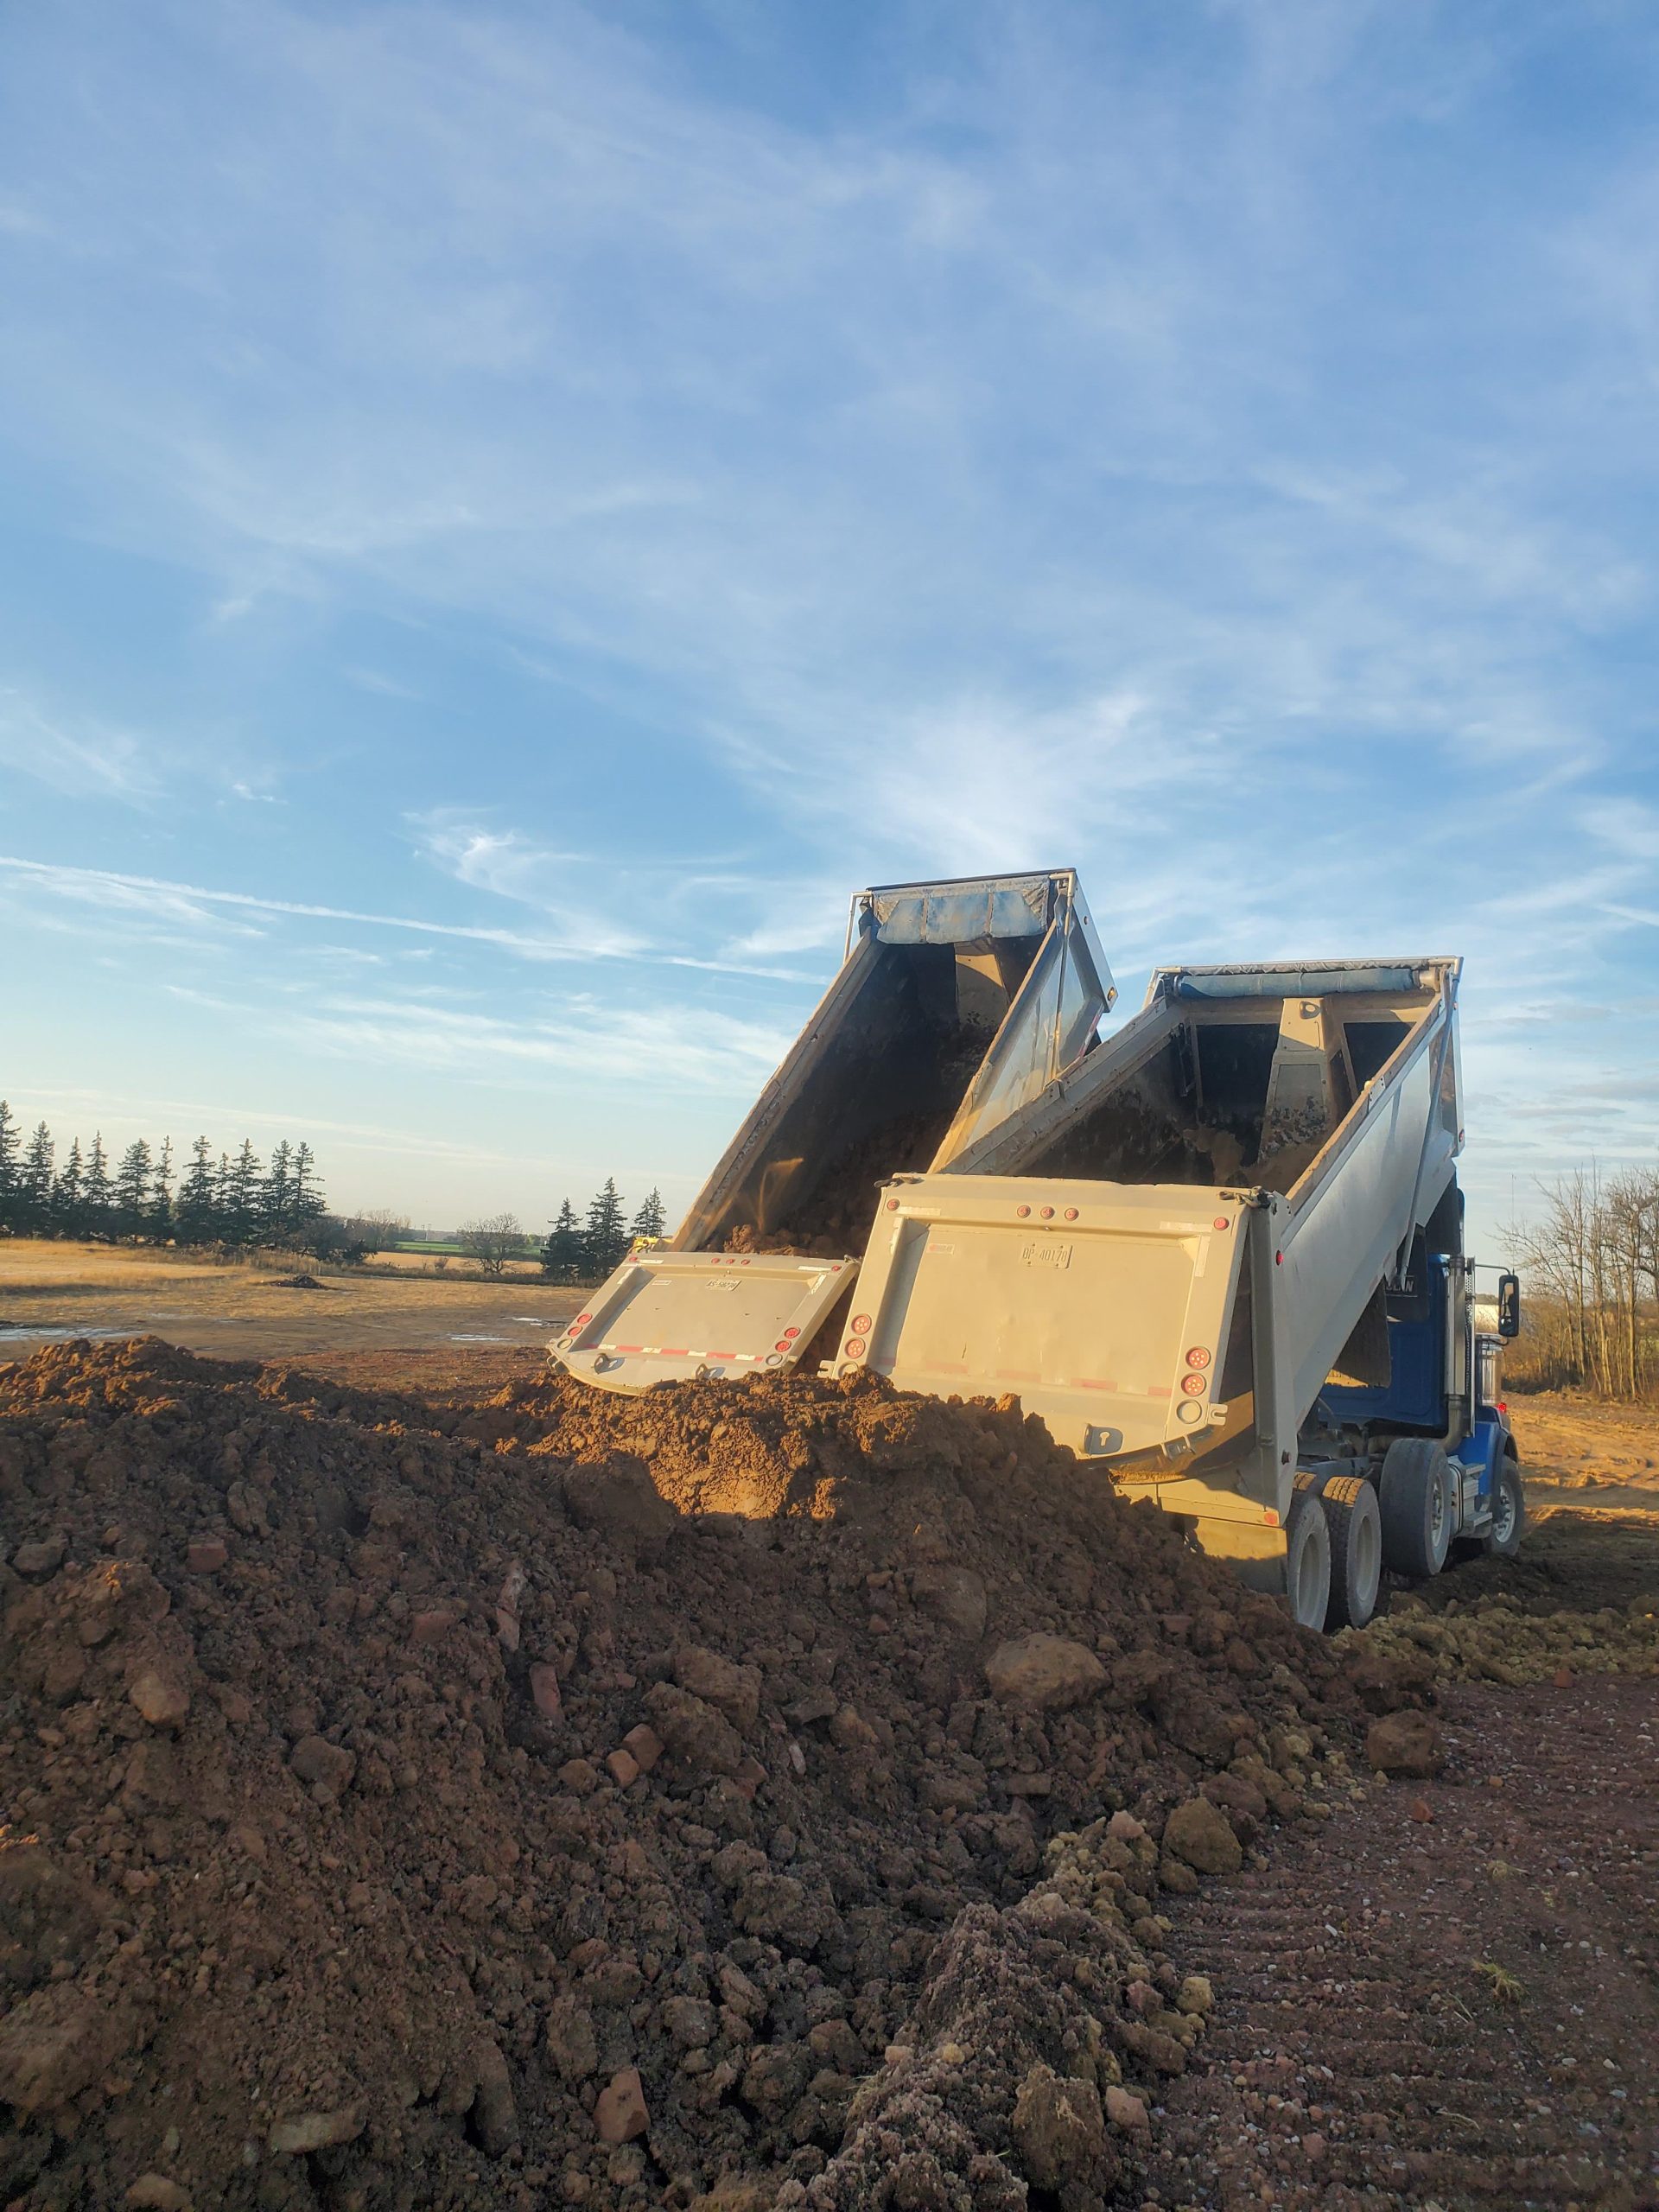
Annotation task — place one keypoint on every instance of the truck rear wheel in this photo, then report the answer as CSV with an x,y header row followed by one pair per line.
x,y
1307,1561
1354,1521
1414,1494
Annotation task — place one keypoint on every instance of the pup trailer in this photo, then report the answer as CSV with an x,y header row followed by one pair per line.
x,y
1220,1250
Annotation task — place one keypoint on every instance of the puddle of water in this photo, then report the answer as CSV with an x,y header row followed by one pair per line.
x,y
15,1333
464,1339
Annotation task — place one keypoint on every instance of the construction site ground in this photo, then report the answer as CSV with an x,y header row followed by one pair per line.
x,y
987,1849
268,1305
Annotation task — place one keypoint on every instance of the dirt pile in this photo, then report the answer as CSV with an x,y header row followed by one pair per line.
x,y
596,1800
1497,1640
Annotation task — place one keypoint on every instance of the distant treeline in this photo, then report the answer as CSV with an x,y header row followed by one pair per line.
x,y
1591,1268
232,1199
579,1250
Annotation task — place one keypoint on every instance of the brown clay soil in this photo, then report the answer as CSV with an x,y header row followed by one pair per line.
x,y
1450,1996
490,1792
414,1804
1580,1450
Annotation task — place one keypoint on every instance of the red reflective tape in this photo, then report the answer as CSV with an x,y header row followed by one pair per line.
x,y
622,1347
720,1355
671,1351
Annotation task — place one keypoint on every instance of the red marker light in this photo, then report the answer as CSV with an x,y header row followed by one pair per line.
x,y
1071,1213
1220,1221
892,1205
1503,1406
582,1320
1193,1385
860,1325
1020,1212
854,1347
1278,1259
782,1345
1045,1213
1198,1357
791,1332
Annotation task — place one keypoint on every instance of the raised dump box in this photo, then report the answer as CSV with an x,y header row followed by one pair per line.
x,y
956,1004
1172,1251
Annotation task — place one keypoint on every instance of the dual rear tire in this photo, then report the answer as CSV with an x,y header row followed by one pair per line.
x,y
1354,1519
1334,1547
1344,1531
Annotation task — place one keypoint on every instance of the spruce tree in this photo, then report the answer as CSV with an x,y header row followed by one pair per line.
x,y
95,1203
606,1236
11,1186
35,1183
277,1193
196,1215
241,1197
130,1196
564,1254
651,1220
158,1207
307,1205
69,1194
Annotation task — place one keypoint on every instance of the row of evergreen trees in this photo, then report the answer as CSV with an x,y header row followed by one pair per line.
x,y
586,1251
234,1198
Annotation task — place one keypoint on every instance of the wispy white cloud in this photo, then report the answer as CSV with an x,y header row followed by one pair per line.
x,y
85,761
386,687
695,1048
1078,441
192,902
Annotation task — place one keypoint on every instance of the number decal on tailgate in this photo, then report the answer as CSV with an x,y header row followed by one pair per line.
x,y
1046,1255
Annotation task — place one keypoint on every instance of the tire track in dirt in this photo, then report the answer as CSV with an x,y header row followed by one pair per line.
x,y
1367,2049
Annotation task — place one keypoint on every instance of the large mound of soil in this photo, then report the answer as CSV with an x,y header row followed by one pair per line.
x,y
745,1795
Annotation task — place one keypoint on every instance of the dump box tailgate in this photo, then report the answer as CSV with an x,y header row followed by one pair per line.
x,y
666,1317
1103,1307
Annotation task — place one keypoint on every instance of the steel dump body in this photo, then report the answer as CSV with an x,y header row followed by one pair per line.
x,y
955,1004
1087,1255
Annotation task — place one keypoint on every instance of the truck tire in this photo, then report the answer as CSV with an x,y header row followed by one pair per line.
x,y
1503,1539
1414,1494
1354,1521
1308,1559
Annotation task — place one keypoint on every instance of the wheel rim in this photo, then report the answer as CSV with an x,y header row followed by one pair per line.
x,y
1308,1598
1503,1511
1368,1562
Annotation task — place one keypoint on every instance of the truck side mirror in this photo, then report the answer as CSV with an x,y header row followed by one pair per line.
x,y
1509,1306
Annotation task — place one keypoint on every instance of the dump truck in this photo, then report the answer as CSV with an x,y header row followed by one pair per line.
x,y
955,1004
1225,1254
1220,1250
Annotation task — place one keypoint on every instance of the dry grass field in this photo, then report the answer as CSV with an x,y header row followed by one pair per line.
x,y
442,1264
51,1291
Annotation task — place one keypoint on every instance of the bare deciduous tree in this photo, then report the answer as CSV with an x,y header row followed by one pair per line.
x,y
1592,1270
379,1231
492,1242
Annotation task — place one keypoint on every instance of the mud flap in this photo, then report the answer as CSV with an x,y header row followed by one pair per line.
x,y
1255,1553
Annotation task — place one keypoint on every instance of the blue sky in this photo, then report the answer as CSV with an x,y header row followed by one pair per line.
x,y
508,514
